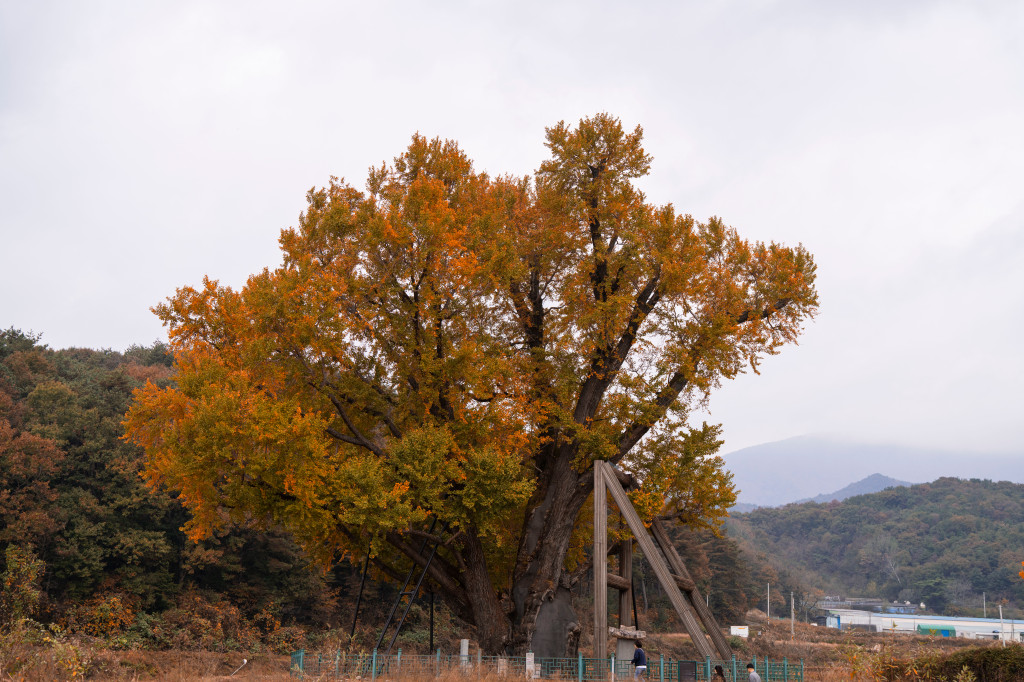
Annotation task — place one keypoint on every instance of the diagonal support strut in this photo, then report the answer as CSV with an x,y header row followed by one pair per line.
x,y
605,480
693,595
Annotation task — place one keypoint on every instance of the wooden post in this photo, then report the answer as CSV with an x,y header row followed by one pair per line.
x,y
792,616
600,562
650,550
626,571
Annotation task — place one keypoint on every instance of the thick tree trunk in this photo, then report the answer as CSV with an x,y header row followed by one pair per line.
x,y
492,624
544,621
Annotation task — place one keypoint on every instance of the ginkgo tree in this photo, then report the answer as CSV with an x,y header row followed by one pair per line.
x,y
443,355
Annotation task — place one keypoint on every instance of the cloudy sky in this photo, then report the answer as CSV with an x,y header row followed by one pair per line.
x,y
144,145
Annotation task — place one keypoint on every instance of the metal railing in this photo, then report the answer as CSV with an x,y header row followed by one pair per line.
x,y
374,665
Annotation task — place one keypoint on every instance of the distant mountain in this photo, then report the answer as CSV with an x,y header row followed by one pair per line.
x,y
800,468
872,484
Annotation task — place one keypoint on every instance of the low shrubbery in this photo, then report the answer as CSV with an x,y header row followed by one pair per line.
x,y
195,623
984,664
85,637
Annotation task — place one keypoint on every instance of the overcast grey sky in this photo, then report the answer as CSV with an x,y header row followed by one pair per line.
x,y
144,145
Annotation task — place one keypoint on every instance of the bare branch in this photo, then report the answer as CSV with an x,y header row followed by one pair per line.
x,y
607,361
747,315
338,435
667,395
360,438
437,573
637,430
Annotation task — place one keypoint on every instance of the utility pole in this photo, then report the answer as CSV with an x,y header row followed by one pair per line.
x,y
1001,638
792,616
984,610
768,605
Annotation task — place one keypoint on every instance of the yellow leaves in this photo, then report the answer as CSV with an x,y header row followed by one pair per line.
x,y
465,486
647,502
425,339
597,149
683,477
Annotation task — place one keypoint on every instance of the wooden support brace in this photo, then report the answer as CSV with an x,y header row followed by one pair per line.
x,y
603,470
685,584
600,563
692,593
618,582
626,572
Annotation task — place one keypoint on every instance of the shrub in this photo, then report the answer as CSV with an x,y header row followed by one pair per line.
x,y
106,617
991,664
20,593
198,623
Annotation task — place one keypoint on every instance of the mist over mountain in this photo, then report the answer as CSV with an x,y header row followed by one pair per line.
x,y
806,467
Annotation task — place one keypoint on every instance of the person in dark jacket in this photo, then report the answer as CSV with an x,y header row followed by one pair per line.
x,y
639,661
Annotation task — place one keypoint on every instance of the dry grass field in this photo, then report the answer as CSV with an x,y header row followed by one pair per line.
x,y
828,655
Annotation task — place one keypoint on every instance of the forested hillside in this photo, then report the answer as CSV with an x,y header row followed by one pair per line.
x,y
944,543
74,508
735,577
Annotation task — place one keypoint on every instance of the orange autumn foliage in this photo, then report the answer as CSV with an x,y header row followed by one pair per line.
x,y
447,344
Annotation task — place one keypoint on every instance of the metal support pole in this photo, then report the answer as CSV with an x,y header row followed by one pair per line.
x,y
359,595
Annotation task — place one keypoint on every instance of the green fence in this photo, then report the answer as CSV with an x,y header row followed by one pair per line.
x,y
373,665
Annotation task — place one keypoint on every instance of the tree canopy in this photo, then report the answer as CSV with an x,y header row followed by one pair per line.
x,y
451,345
